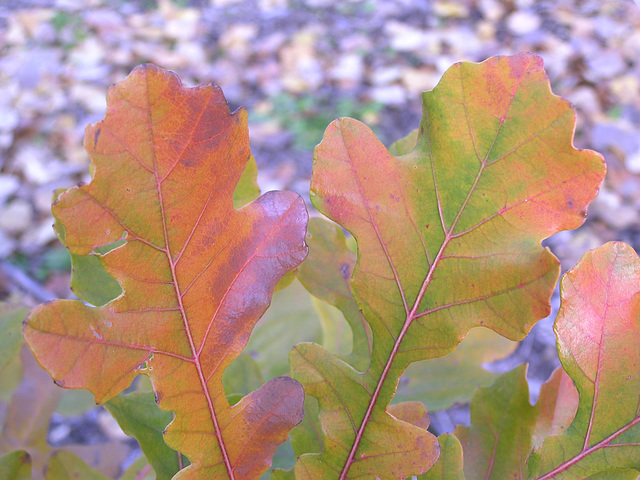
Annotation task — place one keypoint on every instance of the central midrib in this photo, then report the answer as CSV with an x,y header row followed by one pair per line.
x,y
408,321
412,314
174,278
387,367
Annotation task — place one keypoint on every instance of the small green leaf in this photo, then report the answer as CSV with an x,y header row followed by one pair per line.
x,y
307,436
15,466
242,376
63,465
498,441
449,464
405,145
247,189
326,274
441,382
290,319
11,317
91,282
285,281
140,417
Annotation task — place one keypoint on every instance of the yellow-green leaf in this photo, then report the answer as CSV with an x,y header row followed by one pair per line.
x,y
449,238
15,466
449,465
11,317
441,382
139,416
498,441
67,466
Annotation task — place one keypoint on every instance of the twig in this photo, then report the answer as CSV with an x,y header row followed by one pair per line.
x,y
25,282
143,472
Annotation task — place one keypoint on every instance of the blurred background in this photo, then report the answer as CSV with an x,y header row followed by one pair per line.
x,y
296,65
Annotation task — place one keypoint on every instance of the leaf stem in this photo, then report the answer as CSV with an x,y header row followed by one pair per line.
x,y
183,312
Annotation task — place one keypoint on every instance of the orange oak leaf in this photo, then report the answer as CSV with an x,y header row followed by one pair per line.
x,y
448,239
196,273
556,407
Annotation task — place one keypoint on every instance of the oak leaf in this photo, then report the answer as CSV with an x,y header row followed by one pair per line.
x,y
505,427
441,382
326,274
196,273
448,238
139,417
556,407
11,318
597,327
498,442
27,422
16,466
598,330
449,465
64,465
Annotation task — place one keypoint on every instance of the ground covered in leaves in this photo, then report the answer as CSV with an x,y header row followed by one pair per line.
x,y
296,65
